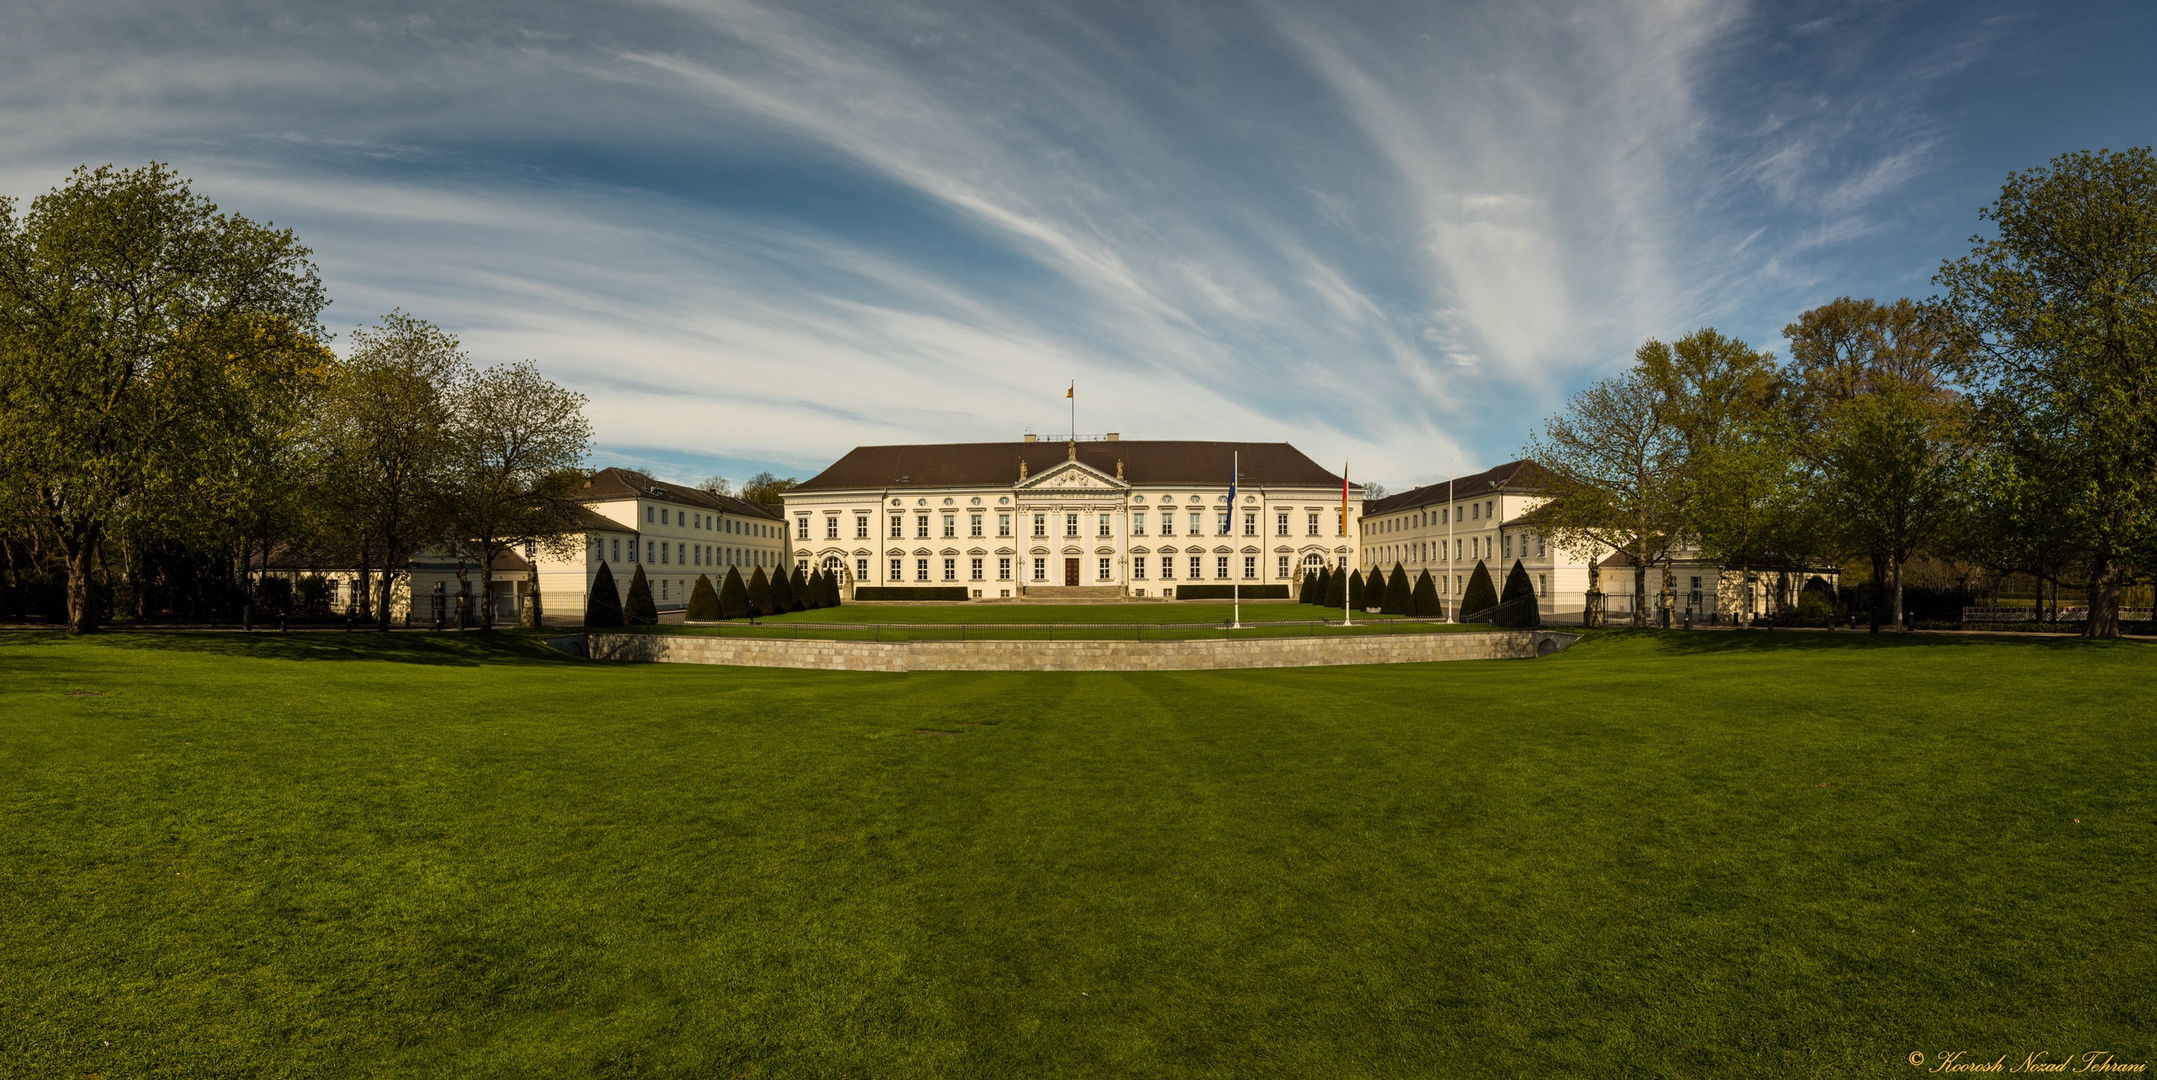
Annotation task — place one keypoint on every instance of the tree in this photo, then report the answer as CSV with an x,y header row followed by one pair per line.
x,y
797,590
1373,491
387,446
733,596
517,441
1428,604
1358,592
832,598
782,594
760,593
811,596
1481,597
2056,334
1398,598
1310,591
604,606
1613,466
703,601
1518,606
136,324
766,488
638,609
717,485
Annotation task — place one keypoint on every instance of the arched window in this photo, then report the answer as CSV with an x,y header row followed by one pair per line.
x,y
1313,563
833,564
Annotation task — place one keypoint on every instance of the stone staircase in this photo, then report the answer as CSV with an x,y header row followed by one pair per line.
x,y
1035,594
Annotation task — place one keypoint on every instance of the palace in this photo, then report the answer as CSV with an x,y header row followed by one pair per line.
x,y
1073,519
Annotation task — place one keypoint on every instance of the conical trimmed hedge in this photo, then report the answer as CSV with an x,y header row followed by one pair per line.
x,y
1476,603
1336,587
1398,598
1310,592
1426,602
638,609
782,595
832,598
703,601
1518,606
760,593
798,589
604,606
1358,592
733,595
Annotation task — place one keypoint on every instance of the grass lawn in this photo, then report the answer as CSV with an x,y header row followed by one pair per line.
x,y
1677,855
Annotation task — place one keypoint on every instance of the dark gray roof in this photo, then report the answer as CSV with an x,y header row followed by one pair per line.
x,y
1511,476
997,464
630,484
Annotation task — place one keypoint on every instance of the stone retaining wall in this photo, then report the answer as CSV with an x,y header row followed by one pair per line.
x,y
1073,655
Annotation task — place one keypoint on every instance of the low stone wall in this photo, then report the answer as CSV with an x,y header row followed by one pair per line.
x,y
1074,655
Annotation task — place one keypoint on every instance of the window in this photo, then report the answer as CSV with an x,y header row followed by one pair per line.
x,y
951,569
898,527
1542,584
1313,518
1041,569
1194,524
1250,524
921,527
1490,508
1540,547
663,589
1003,569
973,527
1220,567
802,532
1138,523
1198,567
1003,524
1104,569
1509,548
831,527
1220,522
1280,524
1168,523
898,572
1104,526
617,549
1283,572
921,569
1250,567
648,552
861,569
1313,562
1168,568
977,570
1138,568
1041,524
648,512
861,528
1070,524
1475,510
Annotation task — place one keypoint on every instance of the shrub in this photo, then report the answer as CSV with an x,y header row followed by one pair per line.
x,y
604,606
1397,599
1426,603
868,594
703,601
831,589
733,595
1356,599
1310,591
798,590
1518,607
1227,592
760,593
782,595
811,594
1481,596
1336,587
638,609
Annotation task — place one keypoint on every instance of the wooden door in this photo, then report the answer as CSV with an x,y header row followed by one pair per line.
x,y
1071,571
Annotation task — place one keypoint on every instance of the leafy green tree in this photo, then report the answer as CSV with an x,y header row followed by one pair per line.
x,y
387,449
1481,596
703,601
733,596
1336,588
1398,597
638,609
760,593
766,488
604,606
2056,336
1427,603
516,442
139,331
1614,475
1518,606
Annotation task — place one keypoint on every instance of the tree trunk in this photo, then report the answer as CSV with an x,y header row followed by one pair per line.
x,y
81,599
2104,616
1902,625
382,603
1879,584
486,587
1640,591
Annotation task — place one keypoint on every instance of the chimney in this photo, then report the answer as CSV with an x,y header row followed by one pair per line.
x,y
1031,437
1114,437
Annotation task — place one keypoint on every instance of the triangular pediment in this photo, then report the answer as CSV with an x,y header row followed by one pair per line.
x,y
1071,476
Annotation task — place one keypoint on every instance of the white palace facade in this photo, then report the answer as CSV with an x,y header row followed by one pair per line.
x,y
1073,518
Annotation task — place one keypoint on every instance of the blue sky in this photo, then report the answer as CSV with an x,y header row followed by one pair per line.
x,y
760,233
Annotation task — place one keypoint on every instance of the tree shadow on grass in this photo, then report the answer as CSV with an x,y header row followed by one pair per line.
x,y
1707,642
401,647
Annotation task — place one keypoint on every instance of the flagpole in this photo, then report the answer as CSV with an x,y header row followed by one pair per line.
x,y
1072,393
1452,609
1346,618
1235,466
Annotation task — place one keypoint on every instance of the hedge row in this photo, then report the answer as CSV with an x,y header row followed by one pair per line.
x,y
1224,592
912,592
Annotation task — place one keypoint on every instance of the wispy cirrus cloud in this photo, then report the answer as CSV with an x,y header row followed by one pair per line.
x,y
758,233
